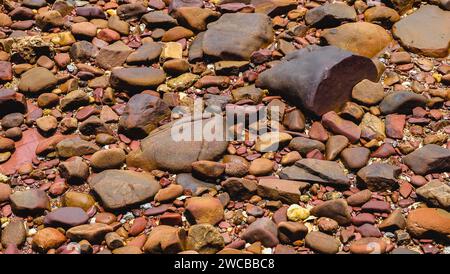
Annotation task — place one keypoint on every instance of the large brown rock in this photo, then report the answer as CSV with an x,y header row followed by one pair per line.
x,y
136,78
29,202
204,210
427,159
330,15
322,243
426,31
425,222
236,35
163,150
142,114
307,77
36,80
93,233
48,238
361,38
75,147
119,189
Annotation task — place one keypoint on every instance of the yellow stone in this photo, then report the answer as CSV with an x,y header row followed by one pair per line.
x,y
62,38
111,12
437,77
172,50
297,213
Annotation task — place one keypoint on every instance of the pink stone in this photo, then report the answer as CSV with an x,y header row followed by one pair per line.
x,y
337,125
395,124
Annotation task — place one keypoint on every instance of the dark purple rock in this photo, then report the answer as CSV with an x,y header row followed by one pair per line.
x,y
66,217
308,77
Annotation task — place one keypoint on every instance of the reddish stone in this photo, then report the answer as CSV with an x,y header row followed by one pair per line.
x,y
384,151
395,124
318,132
170,218
337,125
6,73
138,226
25,151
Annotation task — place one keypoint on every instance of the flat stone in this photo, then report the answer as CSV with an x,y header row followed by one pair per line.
x,y
305,145
83,51
436,193
195,18
425,31
119,189
427,159
108,158
359,198
159,19
78,199
369,245
160,151
394,221
75,147
74,170
208,169
289,232
146,53
169,193
66,217
93,233
285,190
372,127
330,15
382,15
322,243
196,186
336,124
325,172
165,239
236,35
136,78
